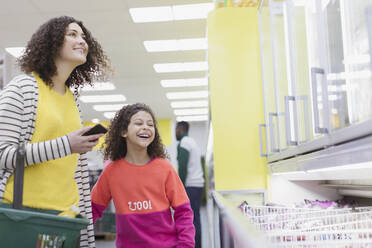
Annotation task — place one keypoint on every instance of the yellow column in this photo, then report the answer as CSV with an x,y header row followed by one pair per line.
x,y
236,98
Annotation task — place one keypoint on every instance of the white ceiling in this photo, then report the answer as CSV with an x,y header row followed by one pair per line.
x,y
111,24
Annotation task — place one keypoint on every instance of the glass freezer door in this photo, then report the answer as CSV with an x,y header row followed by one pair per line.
x,y
340,63
297,103
278,43
356,60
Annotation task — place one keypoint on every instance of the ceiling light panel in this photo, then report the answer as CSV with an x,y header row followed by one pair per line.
x,y
193,44
109,115
171,13
192,118
180,67
187,95
189,82
193,111
99,86
151,14
176,45
189,104
108,107
192,11
102,98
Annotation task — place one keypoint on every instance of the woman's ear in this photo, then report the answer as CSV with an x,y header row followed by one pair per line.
x,y
124,134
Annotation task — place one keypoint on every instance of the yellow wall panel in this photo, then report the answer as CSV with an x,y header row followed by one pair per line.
x,y
164,126
236,98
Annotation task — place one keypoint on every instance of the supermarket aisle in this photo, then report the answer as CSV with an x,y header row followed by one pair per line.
x,y
205,233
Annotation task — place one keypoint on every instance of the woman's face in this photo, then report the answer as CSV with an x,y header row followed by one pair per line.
x,y
74,49
141,130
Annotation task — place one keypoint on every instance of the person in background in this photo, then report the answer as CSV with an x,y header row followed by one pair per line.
x,y
142,184
191,173
39,111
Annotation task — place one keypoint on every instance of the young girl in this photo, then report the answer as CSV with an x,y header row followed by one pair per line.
x,y
38,109
143,185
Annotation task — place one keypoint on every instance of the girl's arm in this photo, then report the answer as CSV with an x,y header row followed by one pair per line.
x,y
183,214
183,217
100,195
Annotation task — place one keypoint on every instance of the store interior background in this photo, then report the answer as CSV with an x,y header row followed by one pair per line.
x,y
244,67
123,40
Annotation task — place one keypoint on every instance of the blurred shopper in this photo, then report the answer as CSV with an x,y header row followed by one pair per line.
x,y
191,173
39,110
143,185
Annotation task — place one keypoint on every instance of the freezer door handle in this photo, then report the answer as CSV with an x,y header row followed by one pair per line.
x,y
314,72
260,126
288,130
296,121
272,133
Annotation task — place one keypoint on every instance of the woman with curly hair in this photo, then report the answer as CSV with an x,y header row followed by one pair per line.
x,y
39,111
142,184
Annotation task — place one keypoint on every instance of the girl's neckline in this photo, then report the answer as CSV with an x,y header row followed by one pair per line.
x,y
138,165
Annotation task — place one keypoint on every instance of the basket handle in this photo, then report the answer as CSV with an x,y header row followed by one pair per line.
x,y
18,177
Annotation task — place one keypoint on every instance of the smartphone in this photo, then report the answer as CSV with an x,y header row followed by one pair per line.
x,y
95,130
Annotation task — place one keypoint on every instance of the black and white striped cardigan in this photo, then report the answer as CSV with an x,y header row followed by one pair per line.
x,y
18,106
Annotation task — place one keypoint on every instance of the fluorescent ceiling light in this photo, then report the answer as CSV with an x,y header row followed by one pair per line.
x,y
95,120
15,51
192,118
176,45
192,11
99,86
171,13
108,107
189,82
179,67
109,115
103,98
151,14
189,104
187,94
194,111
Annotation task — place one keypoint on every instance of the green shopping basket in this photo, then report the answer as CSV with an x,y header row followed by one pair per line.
x,y
22,227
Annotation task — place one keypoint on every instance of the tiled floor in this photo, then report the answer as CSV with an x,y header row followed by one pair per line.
x,y
205,233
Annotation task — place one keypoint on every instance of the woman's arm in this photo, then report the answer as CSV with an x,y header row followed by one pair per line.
x,y
14,118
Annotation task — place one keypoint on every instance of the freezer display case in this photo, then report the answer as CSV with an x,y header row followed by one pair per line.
x,y
316,70
317,136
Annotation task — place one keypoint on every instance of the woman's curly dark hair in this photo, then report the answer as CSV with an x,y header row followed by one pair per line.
x,y
46,43
116,145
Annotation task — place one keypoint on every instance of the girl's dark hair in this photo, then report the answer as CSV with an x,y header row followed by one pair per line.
x,y
116,145
46,43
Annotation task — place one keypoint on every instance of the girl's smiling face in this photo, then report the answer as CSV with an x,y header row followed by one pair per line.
x,y
140,131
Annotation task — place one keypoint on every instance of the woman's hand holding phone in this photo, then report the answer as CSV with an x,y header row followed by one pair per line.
x,y
82,142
